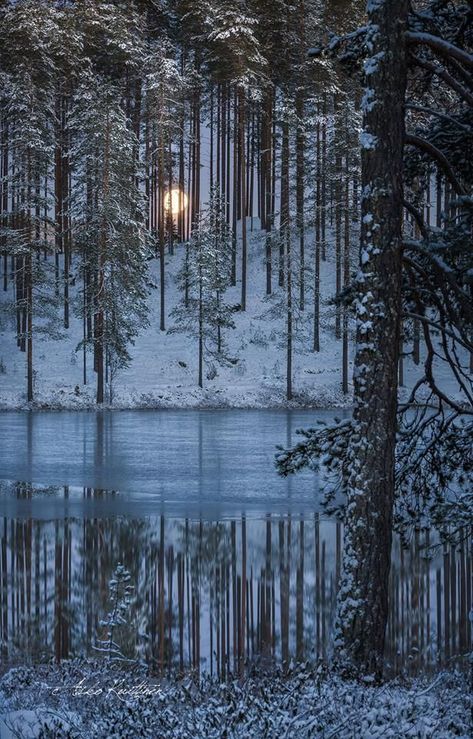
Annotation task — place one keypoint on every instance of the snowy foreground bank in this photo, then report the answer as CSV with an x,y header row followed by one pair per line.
x,y
48,701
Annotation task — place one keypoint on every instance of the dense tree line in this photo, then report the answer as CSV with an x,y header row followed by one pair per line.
x,y
107,107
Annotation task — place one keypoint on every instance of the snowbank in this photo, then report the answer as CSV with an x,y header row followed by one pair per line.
x,y
103,701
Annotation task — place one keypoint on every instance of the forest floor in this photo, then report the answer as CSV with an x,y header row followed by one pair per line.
x,y
124,703
163,368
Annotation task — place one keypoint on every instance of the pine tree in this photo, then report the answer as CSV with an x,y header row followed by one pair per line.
x,y
207,274
27,99
362,602
389,450
362,449
121,596
233,43
108,213
163,89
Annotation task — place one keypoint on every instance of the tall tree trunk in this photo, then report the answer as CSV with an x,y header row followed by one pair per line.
x,y
300,136
323,184
318,227
100,317
29,310
58,190
223,149
4,197
211,113
285,240
182,210
169,213
241,136
266,180
251,166
235,186
346,268
338,215
196,175
161,233
65,187
201,325
363,597
246,204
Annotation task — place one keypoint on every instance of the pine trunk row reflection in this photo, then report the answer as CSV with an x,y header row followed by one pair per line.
x,y
217,596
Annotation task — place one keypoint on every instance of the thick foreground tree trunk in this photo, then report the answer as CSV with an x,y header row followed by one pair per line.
x,y
363,597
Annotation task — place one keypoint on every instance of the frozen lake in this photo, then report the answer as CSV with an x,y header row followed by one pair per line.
x,y
205,463
226,558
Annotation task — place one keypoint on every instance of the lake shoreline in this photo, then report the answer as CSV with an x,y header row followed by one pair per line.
x,y
209,402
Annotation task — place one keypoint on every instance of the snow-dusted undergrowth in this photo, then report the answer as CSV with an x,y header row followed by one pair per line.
x,y
304,704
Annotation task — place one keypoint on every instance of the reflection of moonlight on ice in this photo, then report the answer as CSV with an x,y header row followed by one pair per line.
x,y
175,201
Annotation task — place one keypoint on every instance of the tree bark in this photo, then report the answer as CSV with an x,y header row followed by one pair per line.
x,y
241,135
323,184
300,157
29,343
235,186
65,187
363,597
201,322
4,197
285,249
346,269
316,338
266,182
338,215
161,231
100,317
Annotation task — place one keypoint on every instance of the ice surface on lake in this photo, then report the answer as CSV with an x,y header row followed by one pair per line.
x,y
209,463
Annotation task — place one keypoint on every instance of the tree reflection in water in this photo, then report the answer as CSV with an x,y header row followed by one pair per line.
x,y
216,596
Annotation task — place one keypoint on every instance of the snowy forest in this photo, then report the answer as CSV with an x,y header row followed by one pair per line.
x,y
236,250
180,204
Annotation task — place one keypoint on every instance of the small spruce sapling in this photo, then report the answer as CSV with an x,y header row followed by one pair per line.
x,y
121,593
206,274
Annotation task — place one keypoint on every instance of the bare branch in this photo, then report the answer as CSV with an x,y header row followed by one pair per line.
x,y
444,75
440,158
445,48
417,217
439,114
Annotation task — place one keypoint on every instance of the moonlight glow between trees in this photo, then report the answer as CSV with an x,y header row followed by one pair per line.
x,y
175,201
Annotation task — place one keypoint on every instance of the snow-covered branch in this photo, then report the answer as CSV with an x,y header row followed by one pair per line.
x,y
440,45
427,146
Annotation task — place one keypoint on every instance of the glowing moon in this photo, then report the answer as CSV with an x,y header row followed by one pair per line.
x,y
175,201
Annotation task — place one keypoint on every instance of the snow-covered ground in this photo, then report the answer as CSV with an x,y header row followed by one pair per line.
x,y
306,703
163,370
